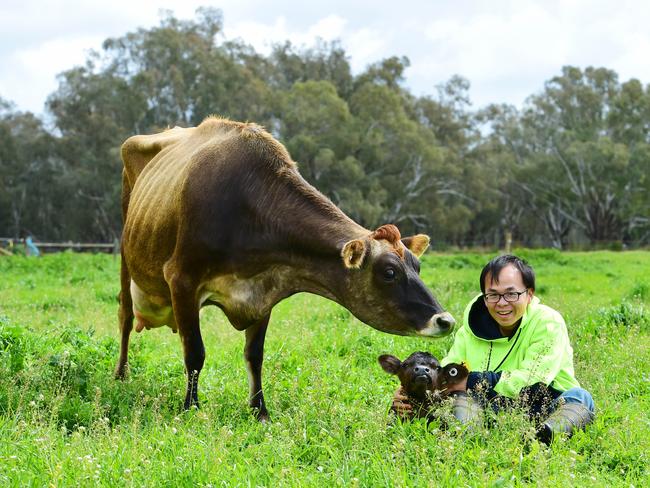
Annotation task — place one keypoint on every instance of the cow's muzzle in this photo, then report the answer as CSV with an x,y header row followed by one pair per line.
x,y
422,378
439,325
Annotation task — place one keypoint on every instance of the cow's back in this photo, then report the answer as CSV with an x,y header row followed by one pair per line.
x,y
170,172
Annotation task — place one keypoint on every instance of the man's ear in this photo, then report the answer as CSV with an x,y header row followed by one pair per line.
x,y
530,293
417,244
352,253
390,363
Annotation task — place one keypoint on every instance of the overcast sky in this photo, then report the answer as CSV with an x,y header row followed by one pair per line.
x,y
507,49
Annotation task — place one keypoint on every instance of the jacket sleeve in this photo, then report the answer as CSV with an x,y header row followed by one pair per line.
x,y
457,353
542,361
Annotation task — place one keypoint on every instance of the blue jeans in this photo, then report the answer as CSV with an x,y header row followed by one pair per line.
x,y
576,395
538,399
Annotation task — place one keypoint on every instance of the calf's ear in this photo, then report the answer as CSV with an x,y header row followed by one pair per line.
x,y
390,363
352,253
417,244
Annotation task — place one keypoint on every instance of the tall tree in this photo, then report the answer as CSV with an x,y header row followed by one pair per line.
x,y
590,169
29,196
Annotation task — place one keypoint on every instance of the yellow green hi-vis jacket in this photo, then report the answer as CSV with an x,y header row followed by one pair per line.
x,y
538,351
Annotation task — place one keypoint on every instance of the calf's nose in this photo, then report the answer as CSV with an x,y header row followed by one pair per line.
x,y
421,370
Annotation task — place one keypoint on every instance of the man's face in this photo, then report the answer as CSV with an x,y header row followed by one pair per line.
x,y
507,314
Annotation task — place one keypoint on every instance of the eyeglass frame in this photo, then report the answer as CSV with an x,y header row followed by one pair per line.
x,y
503,295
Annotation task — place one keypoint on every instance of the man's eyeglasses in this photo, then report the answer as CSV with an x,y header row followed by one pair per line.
x,y
509,296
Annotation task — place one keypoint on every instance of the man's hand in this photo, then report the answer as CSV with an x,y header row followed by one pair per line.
x,y
460,386
401,405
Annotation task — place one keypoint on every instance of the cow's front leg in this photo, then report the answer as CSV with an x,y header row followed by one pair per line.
x,y
254,356
186,314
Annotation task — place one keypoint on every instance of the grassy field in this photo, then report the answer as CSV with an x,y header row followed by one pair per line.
x,y
64,421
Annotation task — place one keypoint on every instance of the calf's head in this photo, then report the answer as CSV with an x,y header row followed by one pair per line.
x,y
421,374
383,286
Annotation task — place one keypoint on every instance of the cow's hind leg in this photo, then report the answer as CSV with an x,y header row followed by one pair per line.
x,y
254,356
126,301
126,320
186,314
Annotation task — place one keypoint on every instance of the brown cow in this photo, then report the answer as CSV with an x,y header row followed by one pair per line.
x,y
219,215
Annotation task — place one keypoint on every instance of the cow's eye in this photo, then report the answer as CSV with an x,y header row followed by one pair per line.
x,y
389,274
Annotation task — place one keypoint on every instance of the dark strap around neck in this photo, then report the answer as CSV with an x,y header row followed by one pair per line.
x,y
509,350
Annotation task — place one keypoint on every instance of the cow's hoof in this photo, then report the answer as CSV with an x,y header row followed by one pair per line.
x,y
261,415
191,406
121,371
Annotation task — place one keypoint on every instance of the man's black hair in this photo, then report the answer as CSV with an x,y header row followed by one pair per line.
x,y
494,267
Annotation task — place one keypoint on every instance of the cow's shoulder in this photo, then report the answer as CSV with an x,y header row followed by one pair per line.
x,y
244,138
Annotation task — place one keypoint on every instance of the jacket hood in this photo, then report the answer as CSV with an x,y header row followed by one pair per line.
x,y
482,325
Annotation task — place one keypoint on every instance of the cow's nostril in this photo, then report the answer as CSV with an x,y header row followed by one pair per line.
x,y
445,321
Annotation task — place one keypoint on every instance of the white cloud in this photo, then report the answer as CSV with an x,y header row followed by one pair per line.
x,y
365,46
262,35
57,55
29,65
507,54
328,28
506,48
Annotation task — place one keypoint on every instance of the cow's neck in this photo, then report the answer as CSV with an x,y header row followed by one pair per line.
x,y
305,231
319,277
296,215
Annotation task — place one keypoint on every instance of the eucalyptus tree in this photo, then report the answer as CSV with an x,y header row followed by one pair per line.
x,y
578,156
404,165
29,197
591,137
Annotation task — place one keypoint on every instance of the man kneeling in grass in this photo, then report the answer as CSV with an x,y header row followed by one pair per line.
x,y
518,353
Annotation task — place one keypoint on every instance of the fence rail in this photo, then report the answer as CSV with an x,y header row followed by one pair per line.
x,y
6,246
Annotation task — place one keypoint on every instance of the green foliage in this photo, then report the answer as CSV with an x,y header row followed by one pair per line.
x,y
13,344
65,421
575,155
623,316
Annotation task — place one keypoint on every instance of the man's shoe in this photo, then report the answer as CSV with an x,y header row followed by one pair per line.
x,y
566,419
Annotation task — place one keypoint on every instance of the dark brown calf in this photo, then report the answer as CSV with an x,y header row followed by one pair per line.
x,y
219,215
423,380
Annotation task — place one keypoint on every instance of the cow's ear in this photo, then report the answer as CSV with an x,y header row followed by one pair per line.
x,y
353,252
417,244
390,363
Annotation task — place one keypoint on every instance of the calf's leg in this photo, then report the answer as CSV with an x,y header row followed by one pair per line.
x,y
254,356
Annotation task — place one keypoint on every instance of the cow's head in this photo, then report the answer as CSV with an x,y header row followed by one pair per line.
x,y
383,286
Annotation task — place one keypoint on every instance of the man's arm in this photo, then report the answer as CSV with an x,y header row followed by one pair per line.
x,y
542,362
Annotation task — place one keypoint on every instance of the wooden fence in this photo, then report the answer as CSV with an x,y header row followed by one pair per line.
x,y
7,246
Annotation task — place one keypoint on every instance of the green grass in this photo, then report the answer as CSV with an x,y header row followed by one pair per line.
x,y
64,421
